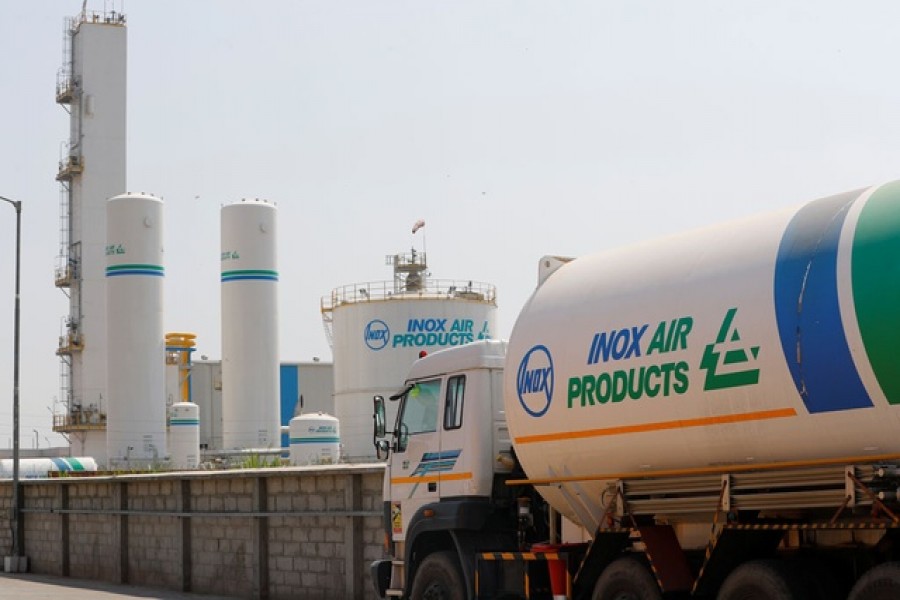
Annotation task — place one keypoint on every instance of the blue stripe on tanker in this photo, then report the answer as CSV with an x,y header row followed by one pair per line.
x,y
61,464
807,308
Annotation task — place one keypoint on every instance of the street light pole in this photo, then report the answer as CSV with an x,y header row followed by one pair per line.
x,y
16,514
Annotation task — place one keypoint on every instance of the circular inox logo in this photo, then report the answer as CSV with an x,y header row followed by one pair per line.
x,y
377,334
534,381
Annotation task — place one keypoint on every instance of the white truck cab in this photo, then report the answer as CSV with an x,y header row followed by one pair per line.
x,y
447,457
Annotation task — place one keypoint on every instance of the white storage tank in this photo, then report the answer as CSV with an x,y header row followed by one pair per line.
x,y
250,368
315,440
30,468
379,329
184,435
136,407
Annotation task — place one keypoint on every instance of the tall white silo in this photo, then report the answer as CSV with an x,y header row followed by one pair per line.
x,y
250,384
136,410
378,329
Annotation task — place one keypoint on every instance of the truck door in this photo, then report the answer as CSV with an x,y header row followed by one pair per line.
x,y
455,459
414,480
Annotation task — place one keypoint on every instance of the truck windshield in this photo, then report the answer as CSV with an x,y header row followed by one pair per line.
x,y
420,409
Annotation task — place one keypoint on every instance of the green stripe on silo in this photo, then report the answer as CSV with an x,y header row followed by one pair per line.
x,y
875,270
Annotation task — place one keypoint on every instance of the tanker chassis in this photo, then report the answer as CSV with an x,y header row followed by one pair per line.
x,y
710,415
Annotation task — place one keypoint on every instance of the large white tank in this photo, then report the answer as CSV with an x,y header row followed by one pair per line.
x,y
136,412
767,340
315,439
184,435
40,467
250,388
379,329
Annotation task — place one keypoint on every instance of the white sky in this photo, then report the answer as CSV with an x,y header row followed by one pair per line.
x,y
514,128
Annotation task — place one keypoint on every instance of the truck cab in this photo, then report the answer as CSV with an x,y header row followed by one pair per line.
x,y
448,455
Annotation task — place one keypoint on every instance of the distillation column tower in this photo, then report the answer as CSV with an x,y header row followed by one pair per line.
x,y
91,88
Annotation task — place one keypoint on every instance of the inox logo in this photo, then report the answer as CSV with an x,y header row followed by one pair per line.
x,y
534,381
377,334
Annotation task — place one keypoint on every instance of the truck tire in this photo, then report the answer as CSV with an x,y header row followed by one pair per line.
x,y
626,579
438,578
879,583
762,580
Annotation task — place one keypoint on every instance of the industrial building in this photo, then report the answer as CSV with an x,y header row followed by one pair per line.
x,y
313,381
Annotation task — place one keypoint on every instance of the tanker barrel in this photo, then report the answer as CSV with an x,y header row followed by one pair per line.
x,y
747,344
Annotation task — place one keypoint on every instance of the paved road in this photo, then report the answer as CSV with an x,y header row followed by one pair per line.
x,y
45,587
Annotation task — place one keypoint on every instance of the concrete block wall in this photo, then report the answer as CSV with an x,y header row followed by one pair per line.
x,y
44,531
93,544
305,532
154,551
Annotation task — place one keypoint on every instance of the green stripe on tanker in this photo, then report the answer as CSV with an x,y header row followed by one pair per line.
x,y
876,285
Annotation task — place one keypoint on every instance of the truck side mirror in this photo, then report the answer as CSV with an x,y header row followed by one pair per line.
x,y
378,419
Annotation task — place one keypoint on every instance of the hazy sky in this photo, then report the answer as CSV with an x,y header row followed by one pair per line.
x,y
514,128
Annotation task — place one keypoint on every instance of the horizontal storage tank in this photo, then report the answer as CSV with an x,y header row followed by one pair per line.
x,y
379,329
315,440
766,340
30,468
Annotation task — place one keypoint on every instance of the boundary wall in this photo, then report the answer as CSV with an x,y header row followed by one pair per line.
x,y
293,532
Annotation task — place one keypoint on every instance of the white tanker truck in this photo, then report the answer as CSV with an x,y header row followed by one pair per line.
x,y
710,415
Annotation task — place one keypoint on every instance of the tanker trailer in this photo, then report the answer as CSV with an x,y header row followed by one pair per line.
x,y
714,414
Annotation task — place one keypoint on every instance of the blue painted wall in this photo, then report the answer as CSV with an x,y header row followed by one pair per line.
x,y
290,391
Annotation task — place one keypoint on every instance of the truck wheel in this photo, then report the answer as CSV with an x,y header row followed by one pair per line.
x,y
438,578
762,580
626,579
879,583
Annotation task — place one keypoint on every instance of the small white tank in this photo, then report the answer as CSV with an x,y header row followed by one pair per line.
x,y
184,435
315,439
